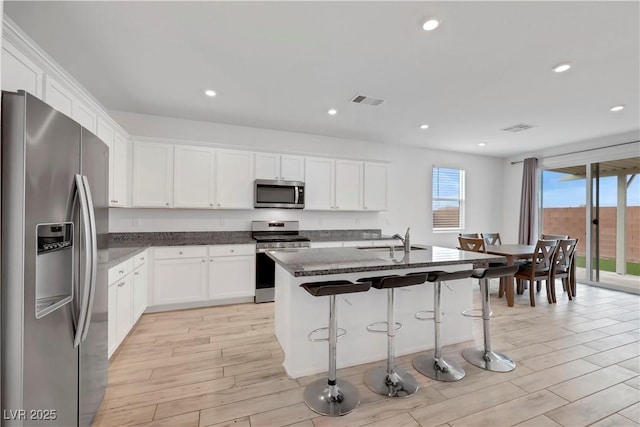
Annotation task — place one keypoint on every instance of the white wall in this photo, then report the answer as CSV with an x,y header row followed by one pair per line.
x,y
566,155
409,182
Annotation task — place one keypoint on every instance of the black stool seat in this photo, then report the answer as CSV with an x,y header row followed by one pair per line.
x,y
389,282
335,287
493,272
441,276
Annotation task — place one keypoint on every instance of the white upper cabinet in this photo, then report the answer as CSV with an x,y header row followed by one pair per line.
x,y
375,186
319,183
57,96
120,178
84,115
348,185
292,168
234,179
279,166
19,72
194,177
152,175
267,165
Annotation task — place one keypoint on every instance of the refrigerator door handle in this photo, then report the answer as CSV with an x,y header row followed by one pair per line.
x,y
94,258
88,237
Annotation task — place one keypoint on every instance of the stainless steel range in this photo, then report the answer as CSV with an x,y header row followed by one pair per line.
x,y
272,236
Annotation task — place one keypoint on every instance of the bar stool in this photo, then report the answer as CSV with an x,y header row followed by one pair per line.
x,y
434,365
391,380
332,397
484,357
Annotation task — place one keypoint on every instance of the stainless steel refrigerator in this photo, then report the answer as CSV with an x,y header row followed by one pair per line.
x,y
54,266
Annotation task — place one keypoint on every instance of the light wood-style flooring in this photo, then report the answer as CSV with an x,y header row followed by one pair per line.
x,y
578,363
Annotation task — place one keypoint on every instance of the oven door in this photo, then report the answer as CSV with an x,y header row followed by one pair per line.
x,y
279,194
265,278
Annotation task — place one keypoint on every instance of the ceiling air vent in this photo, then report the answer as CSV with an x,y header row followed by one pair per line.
x,y
517,128
367,100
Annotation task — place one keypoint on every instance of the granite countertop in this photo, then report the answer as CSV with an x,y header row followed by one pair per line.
x,y
117,255
125,245
318,262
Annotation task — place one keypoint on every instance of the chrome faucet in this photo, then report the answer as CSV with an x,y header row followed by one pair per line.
x,y
406,241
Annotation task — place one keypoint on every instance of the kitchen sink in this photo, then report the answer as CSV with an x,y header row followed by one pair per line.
x,y
395,248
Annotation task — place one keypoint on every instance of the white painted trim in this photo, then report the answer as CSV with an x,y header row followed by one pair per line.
x,y
14,35
197,304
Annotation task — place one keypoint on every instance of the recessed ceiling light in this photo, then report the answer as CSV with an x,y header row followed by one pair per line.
x,y
561,68
332,112
617,108
424,127
210,92
430,24
482,144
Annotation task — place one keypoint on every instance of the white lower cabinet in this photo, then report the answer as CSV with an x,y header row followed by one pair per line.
x,y
232,271
139,291
127,298
124,307
179,280
112,342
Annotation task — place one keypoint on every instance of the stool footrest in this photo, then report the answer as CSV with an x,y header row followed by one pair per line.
x,y
382,327
475,312
427,315
310,337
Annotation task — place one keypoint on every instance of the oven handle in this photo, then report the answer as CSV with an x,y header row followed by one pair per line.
x,y
297,196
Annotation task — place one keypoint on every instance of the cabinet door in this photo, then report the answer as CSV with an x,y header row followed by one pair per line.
x,y
124,308
232,276
152,175
179,280
194,177
319,188
139,291
375,187
56,96
234,179
267,166
112,335
19,72
292,168
120,167
348,185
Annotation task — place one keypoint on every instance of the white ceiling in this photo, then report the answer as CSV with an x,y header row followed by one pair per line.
x,y
282,65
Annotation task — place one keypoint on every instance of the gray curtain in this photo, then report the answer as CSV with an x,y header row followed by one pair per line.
x,y
528,229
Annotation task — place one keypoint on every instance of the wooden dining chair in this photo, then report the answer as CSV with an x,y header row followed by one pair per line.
x,y
539,268
554,236
478,244
562,262
469,235
492,238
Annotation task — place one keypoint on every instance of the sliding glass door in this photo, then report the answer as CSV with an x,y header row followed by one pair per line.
x,y
599,203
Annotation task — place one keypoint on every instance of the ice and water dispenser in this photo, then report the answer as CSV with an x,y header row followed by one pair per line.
x,y
54,266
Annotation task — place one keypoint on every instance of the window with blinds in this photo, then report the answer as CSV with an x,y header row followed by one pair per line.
x,y
448,199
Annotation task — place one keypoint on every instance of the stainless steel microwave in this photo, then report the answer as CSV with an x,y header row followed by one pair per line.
x,y
278,194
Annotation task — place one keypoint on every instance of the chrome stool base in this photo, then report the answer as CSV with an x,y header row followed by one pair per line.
x,y
438,369
489,360
343,399
397,384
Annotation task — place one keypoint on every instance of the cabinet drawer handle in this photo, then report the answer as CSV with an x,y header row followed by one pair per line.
x,y
218,204
180,252
210,204
136,273
203,260
121,271
232,250
167,204
141,258
121,284
114,201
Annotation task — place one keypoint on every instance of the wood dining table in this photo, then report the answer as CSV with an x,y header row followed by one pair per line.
x,y
511,253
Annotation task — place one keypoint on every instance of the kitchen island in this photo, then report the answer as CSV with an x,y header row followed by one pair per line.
x,y
297,313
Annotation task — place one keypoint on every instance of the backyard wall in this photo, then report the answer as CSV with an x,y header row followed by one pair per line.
x,y
571,221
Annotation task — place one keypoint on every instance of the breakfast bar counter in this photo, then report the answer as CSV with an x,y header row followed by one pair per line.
x,y
297,313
